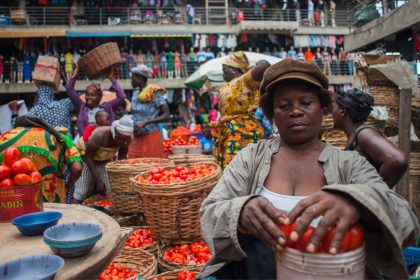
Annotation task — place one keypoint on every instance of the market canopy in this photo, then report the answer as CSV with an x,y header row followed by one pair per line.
x,y
212,70
33,33
73,34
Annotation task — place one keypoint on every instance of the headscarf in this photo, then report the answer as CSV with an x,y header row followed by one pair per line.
x,y
124,126
357,103
148,93
141,70
238,60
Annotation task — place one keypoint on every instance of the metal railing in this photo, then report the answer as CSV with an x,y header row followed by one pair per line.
x,y
44,16
17,75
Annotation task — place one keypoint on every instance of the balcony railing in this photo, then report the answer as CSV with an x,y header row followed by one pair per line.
x,y
53,16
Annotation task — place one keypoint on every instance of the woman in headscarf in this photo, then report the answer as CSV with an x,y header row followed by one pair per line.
x,y
86,110
239,98
148,108
350,110
103,144
50,151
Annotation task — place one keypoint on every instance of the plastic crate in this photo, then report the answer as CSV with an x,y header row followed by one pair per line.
x,y
411,256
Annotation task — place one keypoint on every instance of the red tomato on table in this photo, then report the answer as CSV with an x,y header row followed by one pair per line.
x,y
5,172
11,155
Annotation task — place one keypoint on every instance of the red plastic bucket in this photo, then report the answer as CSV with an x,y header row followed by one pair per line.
x,y
19,200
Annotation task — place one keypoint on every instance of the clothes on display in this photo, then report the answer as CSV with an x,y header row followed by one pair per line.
x,y
329,41
202,41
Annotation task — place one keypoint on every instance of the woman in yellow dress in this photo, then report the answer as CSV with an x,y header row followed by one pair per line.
x,y
239,98
50,156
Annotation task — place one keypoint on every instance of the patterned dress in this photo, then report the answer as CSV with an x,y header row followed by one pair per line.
x,y
238,101
48,155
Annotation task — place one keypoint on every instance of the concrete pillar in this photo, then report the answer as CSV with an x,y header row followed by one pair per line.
x,y
22,4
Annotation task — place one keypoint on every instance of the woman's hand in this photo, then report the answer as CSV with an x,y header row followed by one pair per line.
x,y
14,107
335,209
100,188
260,218
111,74
139,125
75,72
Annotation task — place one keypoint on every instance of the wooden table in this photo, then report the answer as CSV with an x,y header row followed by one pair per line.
x,y
14,244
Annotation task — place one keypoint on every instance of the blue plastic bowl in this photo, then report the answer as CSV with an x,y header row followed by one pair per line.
x,y
71,250
40,267
36,223
72,234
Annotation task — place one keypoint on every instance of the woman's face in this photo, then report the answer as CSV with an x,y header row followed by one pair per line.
x,y
337,114
137,81
93,98
297,114
230,73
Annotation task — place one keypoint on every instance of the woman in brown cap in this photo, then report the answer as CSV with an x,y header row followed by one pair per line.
x,y
299,177
238,100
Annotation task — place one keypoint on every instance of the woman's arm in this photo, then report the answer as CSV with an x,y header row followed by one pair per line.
x,y
71,92
391,161
119,93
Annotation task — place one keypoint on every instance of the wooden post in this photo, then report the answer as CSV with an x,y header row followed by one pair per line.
x,y
207,12
404,127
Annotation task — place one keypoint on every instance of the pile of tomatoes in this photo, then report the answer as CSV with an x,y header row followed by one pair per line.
x,y
106,203
182,275
197,128
197,253
180,131
135,162
193,141
17,171
352,240
116,272
167,145
179,141
139,239
180,174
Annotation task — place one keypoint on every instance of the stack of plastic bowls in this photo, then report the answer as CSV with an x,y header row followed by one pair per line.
x,y
72,239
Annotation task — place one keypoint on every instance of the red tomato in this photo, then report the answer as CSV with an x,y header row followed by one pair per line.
x,y
20,166
305,239
22,180
30,164
5,172
6,183
11,155
328,237
356,232
36,177
345,243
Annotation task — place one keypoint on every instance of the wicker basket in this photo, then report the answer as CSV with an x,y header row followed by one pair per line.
x,y
125,199
172,211
373,59
328,124
337,138
170,266
152,248
141,262
192,159
415,118
385,96
129,220
99,61
171,275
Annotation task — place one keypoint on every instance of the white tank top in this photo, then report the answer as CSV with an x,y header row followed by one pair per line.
x,y
284,202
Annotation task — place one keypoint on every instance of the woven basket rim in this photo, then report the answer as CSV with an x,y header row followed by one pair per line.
x,y
125,257
160,260
150,246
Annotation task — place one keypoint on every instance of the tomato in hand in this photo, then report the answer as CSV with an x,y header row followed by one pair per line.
x,y
305,239
5,172
356,234
11,155
6,183
36,177
22,180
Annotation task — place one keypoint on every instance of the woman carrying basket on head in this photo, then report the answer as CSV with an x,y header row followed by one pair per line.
x,y
86,110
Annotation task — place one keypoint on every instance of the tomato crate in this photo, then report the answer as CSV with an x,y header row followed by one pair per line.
x,y
411,256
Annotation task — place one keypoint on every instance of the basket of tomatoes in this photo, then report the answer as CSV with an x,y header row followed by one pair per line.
x,y
125,199
192,159
172,198
182,133
20,186
141,239
179,274
133,264
193,256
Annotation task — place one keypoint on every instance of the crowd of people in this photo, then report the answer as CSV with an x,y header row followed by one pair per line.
x,y
176,64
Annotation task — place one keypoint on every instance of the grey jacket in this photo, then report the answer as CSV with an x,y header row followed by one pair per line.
x,y
345,172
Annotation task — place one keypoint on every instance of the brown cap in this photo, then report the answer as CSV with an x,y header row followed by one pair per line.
x,y
293,69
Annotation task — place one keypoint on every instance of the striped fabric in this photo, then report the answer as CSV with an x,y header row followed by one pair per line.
x,y
86,183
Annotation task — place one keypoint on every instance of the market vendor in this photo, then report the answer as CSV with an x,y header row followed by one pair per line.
x,y
86,110
104,143
350,110
148,107
238,100
239,218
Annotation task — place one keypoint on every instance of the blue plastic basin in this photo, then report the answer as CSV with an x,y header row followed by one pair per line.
x,y
72,234
40,267
36,223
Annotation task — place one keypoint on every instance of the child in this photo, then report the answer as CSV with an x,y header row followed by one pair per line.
x,y
213,114
206,143
101,119
120,110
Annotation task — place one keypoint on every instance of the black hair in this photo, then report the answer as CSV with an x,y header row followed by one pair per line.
x,y
324,97
100,112
357,103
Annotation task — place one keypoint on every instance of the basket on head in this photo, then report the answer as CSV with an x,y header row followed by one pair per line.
x,y
99,61
124,197
165,266
171,275
151,248
172,210
141,262
192,159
